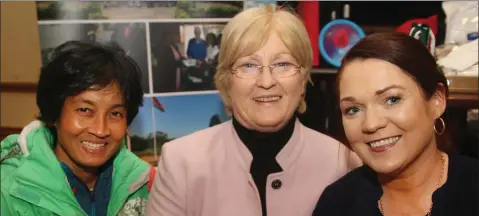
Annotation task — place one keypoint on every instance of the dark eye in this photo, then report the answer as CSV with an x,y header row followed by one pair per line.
x,y
84,110
351,111
117,114
393,100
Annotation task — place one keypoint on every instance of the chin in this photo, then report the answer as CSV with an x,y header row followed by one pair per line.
x,y
269,122
386,167
93,163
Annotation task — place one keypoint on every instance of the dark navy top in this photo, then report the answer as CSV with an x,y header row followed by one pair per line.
x,y
358,192
94,203
197,49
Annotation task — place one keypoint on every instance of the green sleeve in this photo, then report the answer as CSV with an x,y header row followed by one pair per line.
x,y
5,205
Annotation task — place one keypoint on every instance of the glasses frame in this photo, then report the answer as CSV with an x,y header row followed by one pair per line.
x,y
271,67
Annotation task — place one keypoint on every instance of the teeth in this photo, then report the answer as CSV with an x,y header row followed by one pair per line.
x,y
91,145
384,142
267,99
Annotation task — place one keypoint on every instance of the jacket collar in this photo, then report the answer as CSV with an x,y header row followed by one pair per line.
x,y
129,175
40,179
285,158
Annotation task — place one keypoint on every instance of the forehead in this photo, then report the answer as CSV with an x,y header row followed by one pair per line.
x,y
108,95
368,76
273,46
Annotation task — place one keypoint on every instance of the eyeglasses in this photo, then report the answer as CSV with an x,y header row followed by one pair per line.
x,y
279,70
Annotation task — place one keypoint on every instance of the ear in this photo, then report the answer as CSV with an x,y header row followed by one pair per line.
x,y
304,81
438,101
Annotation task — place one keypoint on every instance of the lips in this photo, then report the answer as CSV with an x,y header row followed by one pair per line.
x,y
271,98
93,147
384,144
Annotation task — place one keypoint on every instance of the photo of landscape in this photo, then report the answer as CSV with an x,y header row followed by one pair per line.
x,y
165,118
94,10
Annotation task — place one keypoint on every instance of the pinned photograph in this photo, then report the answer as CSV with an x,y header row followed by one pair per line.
x,y
130,36
89,10
165,118
184,56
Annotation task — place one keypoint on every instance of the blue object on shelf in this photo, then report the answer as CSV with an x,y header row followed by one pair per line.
x,y
336,38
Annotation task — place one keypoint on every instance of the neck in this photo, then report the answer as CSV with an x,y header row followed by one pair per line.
x,y
88,175
275,139
418,176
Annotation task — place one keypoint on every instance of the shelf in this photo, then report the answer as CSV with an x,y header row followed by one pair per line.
x,y
324,70
456,99
464,100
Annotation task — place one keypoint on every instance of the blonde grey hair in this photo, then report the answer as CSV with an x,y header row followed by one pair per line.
x,y
248,31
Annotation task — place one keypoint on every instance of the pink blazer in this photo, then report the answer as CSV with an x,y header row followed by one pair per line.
x,y
207,173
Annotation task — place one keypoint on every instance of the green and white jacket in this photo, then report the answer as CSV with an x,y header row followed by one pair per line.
x,y
34,183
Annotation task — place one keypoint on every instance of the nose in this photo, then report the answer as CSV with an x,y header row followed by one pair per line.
x,y
266,79
373,121
99,127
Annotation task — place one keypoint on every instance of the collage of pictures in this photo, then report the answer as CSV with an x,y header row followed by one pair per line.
x,y
176,45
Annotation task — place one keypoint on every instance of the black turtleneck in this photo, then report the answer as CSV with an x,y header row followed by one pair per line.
x,y
264,146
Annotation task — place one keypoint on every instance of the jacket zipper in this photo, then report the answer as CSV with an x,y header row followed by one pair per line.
x,y
93,203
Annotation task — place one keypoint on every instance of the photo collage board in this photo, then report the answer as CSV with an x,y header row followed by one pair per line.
x,y
176,45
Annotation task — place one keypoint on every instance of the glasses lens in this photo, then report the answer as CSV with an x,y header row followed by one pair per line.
x,y
247,72
285,70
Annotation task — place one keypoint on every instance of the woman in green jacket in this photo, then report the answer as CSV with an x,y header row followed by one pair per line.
x,y
73,160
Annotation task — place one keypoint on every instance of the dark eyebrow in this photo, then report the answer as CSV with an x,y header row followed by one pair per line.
x,y
378,92
89,102
350,99
117,106
381,91
82,100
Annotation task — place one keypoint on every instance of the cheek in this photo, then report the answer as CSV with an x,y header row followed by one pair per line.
x,y
118,130
72,124
240,91
352,129
409,116
294,88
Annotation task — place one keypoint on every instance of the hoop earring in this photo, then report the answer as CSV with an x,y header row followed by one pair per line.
x,y
443,127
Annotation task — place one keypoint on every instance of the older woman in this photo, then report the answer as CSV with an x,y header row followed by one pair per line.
x,y
264,161
392,96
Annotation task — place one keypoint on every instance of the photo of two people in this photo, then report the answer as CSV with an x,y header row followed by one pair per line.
x,y
184,56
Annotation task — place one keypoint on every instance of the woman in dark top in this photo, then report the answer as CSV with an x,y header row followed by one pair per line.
x,y
392,96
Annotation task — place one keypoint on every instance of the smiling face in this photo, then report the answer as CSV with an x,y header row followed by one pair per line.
x,y
386,118
91,127
267,102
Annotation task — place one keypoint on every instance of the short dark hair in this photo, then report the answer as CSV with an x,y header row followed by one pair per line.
x,y
405,52
76,66
212,37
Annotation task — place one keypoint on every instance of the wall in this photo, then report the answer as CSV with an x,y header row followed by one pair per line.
x,y
20,64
